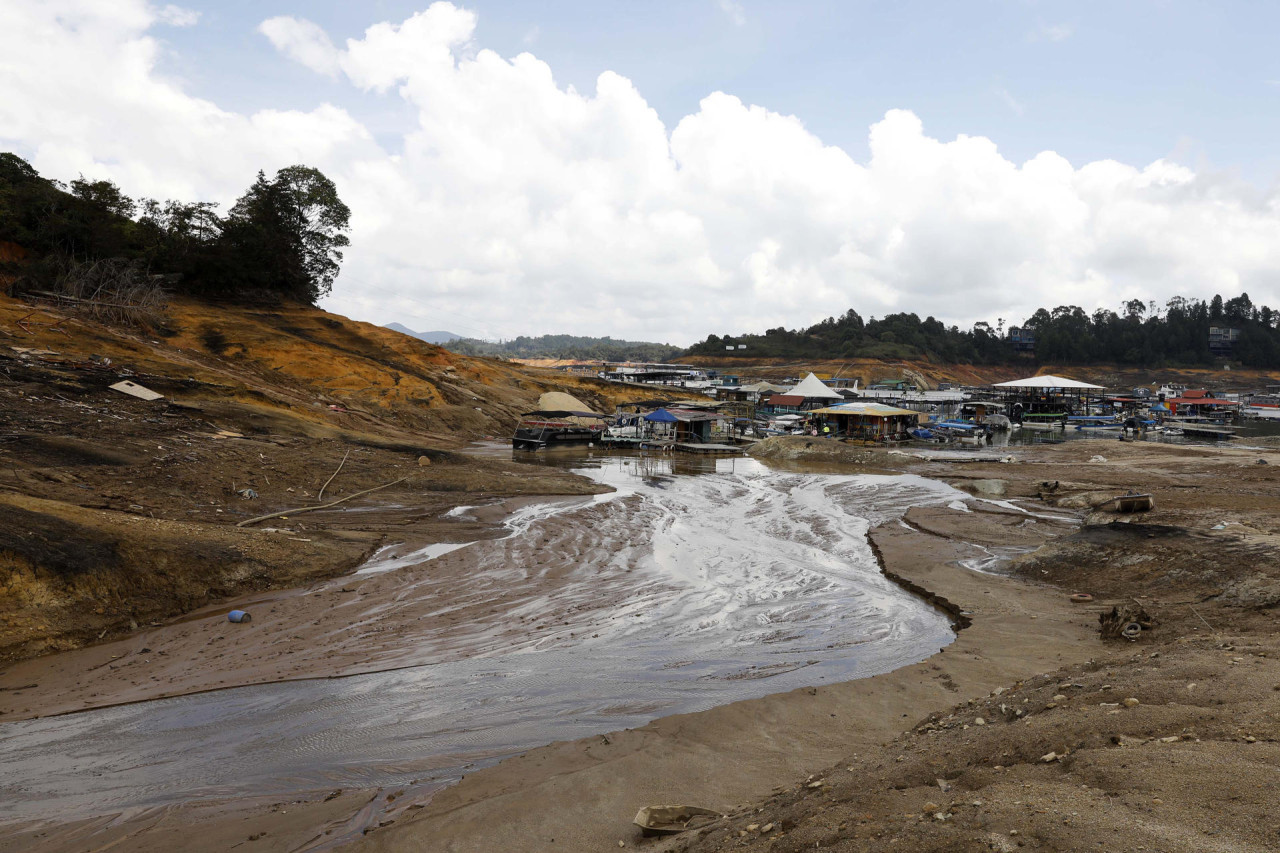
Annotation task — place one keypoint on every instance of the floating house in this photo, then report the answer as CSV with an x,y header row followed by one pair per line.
x,y
691,426
1202,404
869,421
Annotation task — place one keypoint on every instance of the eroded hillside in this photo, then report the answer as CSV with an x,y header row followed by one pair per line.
x,y
116,511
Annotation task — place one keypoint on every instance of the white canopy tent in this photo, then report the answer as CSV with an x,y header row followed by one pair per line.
x,y
1047,382
813,388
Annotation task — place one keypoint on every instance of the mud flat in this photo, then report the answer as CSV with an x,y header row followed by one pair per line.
x,y
582,795
1203,563
1060,760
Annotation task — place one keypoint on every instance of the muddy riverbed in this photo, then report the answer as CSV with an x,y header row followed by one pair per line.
x,y
695,583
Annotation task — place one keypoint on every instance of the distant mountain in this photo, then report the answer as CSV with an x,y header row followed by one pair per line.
x,y
429,337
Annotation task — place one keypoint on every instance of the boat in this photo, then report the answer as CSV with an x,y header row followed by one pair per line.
x,y
666,820
560,421
1043,421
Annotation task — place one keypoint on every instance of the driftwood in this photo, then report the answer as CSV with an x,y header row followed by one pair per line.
x,y
320,496
1125,622
302,509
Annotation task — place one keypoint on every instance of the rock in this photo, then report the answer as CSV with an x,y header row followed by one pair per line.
x,y
1059,698
766,828
988,488
1048,757
1250,739
979,721
423,462
1049,706
752,827
1171,739
1131,702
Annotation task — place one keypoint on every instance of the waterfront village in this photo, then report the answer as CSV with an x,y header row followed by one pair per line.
x,y
730,411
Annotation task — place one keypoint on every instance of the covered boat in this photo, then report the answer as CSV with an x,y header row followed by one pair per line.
x,y
560,421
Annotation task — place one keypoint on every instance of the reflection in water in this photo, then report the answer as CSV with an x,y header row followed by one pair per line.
x,y
698,582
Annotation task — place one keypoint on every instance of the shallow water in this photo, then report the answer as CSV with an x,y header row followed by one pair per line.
x,y
728,580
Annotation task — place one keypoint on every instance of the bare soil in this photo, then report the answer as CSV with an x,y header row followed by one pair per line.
x,y
117,513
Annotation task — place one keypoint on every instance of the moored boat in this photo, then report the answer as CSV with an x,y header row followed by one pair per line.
x,y
561,421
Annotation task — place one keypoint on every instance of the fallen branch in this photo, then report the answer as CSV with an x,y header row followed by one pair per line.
x,y
320,496
302,509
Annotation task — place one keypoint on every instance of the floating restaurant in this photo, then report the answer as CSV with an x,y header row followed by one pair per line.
x,y
870,421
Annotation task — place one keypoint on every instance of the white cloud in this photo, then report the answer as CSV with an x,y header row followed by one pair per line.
x,y
520,206
734,10
303,42
176,16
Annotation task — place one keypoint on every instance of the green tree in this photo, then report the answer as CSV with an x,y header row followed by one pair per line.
x,y
285,236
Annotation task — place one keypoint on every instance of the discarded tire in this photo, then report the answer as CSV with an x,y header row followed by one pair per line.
x,y
1131,631
1081,597
239,616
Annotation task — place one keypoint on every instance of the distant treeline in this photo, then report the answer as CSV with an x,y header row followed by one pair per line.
x,y
282,239
1140,334
566,347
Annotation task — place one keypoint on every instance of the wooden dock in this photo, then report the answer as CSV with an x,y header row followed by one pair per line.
x,y
1206,431
717,449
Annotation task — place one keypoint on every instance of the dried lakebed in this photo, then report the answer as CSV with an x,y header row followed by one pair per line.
x,y
696,583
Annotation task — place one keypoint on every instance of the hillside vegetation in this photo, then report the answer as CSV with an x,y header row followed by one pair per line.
x,y
567,347
1142,335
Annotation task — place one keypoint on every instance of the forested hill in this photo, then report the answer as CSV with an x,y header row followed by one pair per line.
x,y
1141,334
566,347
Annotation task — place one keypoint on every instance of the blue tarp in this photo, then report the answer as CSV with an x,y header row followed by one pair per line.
x,y
662,416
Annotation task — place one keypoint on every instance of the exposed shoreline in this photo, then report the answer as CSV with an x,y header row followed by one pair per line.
x,y
583,793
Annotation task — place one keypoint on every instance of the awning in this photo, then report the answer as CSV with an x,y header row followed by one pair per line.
x,y
662,416
1047,382
814,388
874,410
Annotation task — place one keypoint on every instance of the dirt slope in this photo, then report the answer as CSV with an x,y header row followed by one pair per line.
x,y
116,511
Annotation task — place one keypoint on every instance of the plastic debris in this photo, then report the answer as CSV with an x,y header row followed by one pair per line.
x,y
133,389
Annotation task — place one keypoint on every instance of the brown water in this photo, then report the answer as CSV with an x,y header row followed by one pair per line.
x,y
697,583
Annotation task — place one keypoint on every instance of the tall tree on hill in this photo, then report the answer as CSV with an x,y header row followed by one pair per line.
x,y
285,236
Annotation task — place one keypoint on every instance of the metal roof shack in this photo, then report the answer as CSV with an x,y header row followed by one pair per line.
x,y
783,401
691,425
1193,401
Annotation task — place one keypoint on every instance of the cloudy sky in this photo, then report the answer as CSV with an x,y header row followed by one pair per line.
x,y
666,170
